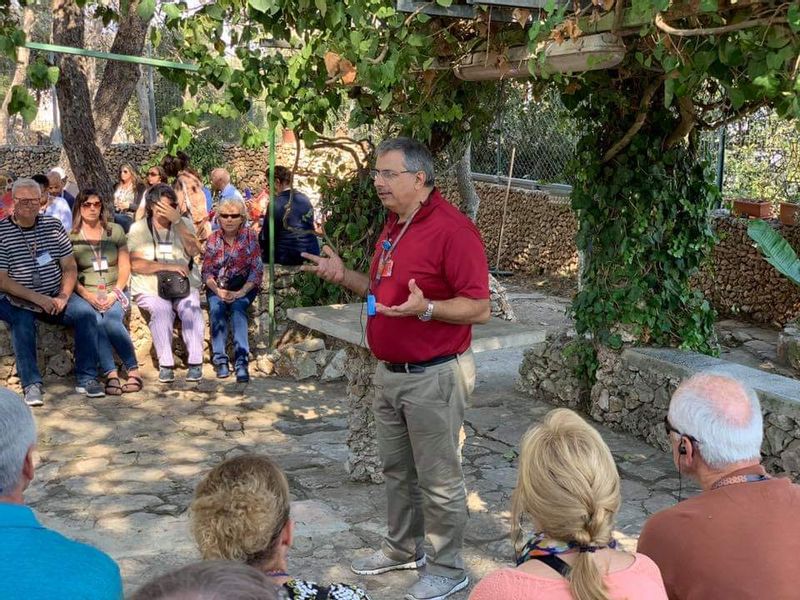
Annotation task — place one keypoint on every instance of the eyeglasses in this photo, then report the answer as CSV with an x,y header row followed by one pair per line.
x,y
670,429
227,216
91,204
152,173
386,174
28,201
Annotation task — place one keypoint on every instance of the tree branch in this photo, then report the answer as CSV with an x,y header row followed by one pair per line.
x,y
644,106
687,123
666,27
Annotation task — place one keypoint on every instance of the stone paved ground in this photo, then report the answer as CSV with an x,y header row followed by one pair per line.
x,y
119,472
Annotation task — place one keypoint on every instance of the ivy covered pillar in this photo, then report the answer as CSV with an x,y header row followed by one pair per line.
x,y
644,220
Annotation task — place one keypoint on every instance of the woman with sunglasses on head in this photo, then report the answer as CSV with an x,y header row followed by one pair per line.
x,y
568,488
127,196
166,280
232,273
104,268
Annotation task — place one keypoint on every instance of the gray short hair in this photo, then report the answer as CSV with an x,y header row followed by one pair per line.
x,y
25,182
723,413
235,202
210,580
416,157
17,435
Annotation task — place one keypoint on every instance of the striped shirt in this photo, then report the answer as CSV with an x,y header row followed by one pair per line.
x,y
21,247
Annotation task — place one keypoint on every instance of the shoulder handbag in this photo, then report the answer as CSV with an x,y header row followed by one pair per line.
x,y
171,285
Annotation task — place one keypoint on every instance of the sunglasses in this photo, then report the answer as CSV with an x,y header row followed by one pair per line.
x,y
229,216
92,204
670,429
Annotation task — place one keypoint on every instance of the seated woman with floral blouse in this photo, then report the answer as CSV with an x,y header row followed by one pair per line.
x,y
232,273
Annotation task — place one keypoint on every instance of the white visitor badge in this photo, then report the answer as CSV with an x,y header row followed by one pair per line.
x,y
164,249
44,259
100,265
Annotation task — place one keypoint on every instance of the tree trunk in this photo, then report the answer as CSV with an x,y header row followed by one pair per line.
x,y
466,187
119,80
23,57
143,98
77,123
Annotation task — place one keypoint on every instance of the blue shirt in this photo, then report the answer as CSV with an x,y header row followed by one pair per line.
x,y
229,191
37,563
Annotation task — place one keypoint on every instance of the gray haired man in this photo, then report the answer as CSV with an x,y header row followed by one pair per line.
x,y
36,562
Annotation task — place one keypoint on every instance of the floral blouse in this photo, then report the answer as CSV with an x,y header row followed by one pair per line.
x,y
225,262
297,589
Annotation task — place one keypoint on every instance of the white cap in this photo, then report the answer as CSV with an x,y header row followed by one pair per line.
x,y
61,172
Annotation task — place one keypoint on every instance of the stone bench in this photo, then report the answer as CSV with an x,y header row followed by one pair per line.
x,y
348,323
633,390
55,343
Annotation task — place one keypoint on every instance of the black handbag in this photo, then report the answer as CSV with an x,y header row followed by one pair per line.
x,y
235,283
171,285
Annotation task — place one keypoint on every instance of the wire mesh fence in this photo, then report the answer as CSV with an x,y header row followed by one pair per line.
x,y
761,151
538,131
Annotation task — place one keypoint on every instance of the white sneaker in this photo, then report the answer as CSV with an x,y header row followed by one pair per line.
x,y
34,395
434,587
377,563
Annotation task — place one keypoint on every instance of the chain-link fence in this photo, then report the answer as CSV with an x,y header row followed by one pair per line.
x,y
761,151
538,131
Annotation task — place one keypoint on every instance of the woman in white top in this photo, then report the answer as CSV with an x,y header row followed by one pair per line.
x,y
127,196
165,242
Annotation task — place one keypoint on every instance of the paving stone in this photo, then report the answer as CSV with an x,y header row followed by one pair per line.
x,y
121,477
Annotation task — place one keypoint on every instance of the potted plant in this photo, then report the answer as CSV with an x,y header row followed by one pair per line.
x,y
789,211
745,207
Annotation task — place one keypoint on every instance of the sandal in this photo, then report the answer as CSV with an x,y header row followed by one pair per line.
x,y
134,384
113,387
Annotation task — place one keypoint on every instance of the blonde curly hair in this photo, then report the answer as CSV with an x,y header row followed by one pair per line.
x,y
569,486
239,510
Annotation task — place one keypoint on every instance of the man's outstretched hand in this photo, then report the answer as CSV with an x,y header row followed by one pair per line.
x,y
328,265
413,307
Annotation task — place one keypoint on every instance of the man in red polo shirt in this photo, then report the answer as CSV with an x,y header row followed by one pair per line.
x,y
429,284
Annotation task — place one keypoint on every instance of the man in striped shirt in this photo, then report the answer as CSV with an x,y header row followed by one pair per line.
x,y
37,277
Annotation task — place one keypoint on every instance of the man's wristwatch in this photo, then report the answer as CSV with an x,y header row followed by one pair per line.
x,y
428,314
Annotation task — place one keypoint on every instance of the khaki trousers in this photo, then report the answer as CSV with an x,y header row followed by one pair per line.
x,y
418,417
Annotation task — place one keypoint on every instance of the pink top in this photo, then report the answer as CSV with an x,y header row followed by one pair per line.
x,y
640,581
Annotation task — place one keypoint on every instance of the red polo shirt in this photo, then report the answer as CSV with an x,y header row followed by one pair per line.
x,y
442,250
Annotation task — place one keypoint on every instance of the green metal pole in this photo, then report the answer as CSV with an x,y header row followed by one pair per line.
x,y
271,235
141,60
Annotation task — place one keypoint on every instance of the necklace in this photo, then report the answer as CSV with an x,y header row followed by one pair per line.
x,y
734,479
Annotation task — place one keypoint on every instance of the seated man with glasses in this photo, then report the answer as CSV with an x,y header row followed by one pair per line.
x,y
37,278
740,536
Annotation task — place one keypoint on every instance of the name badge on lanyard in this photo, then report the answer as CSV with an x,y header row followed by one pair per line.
x,y
43,259
100,264
165,249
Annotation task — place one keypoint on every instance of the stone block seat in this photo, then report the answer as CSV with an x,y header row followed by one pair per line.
x,y
55,343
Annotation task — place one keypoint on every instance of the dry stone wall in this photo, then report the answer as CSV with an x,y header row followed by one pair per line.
x,y
539,233
740,283
246,165
633,390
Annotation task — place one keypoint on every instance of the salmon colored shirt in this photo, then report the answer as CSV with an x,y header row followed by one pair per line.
x,y
640,581
740,541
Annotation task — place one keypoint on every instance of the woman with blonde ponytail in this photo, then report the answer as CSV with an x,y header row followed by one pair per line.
x,y
241,511
568,488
